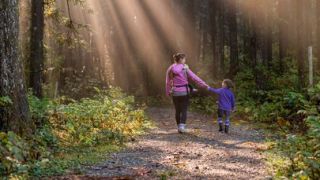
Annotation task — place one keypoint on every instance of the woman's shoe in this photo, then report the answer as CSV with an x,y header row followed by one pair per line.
x,y
182,128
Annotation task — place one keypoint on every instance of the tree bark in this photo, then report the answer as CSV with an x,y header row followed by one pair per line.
x,y
253,46
13,116
283,24
318,35
221,36
214,37
301,43
36,49
267,36
233,34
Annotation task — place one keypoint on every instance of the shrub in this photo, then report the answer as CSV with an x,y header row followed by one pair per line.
x,y
65,126
303,152
206,105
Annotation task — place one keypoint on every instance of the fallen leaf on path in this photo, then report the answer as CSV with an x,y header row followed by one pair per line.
x,y
180,164
142,171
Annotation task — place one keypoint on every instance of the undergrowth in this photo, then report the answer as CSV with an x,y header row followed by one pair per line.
x,y
70,134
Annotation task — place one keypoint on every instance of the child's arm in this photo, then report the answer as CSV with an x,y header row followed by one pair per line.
x,y
217,91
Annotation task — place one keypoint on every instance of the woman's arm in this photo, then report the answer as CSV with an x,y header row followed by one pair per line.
x,y
196,79
169,81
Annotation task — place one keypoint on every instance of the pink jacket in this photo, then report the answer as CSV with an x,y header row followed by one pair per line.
x,y
179,75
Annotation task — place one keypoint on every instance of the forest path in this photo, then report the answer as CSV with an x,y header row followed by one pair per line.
x,y
203,153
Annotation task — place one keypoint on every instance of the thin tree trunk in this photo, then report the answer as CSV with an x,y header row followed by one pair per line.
x,y
267,37
253,25
214,37
234,63
13,116
318,35
36,51
301,45
283,32
221,36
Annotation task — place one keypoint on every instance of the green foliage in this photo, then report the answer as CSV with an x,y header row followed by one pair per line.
x,y
69,130
14,153
108,116
5,101
303,152
206,105
39,108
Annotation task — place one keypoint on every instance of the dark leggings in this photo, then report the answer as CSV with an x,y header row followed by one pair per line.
x,y
181,105
227,116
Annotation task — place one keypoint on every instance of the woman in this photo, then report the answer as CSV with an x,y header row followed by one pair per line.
x,y
177,86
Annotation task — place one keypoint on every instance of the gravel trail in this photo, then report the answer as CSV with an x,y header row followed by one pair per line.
x,y
203,153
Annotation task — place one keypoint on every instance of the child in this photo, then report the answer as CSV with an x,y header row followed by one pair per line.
x,y
226,103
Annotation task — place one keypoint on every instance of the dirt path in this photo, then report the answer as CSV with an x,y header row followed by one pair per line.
x,y
204,153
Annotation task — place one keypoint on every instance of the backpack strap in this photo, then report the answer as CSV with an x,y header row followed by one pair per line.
x,y
171,76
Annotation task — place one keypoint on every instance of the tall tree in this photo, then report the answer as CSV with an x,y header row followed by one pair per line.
x,y
283,24
218,33
221,35
318,34
36,48
14,115
233,37
267,34
253,19
191,9
214,36
301,43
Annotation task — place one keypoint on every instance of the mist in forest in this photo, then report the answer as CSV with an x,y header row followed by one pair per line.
x,y
130,43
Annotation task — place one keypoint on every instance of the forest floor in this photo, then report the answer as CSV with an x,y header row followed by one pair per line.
x,y
202,153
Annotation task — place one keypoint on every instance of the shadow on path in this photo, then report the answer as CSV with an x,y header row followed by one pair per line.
x,y
203,153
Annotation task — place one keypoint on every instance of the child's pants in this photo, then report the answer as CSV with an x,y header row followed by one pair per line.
x,y
227,114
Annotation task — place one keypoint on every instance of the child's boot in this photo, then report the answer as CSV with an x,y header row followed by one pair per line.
x,y
220,122
226,129
220,127
227,124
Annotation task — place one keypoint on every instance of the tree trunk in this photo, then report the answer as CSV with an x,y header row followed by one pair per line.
x,y
318,35
267,36
13,116
233,26
283,32
36,48
214,37
253,39
301,43
221,36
